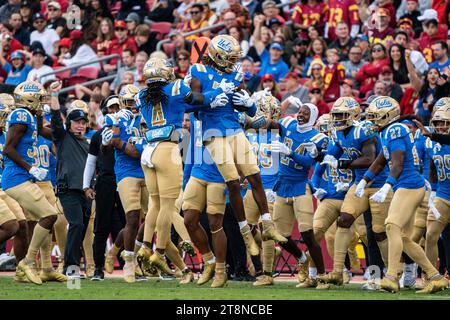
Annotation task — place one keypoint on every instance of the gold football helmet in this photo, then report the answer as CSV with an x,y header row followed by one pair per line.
x,y
268,108
158,70
78,104
382,111
345,111
6,106
126,96
440,122
30,95
225,51
442,103
323,124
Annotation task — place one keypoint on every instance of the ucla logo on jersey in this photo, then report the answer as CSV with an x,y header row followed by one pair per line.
x,y
383,103
31,88
437,147
210,76
224,45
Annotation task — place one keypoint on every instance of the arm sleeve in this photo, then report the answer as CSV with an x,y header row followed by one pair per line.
x,y
441,138
89,170
58,130
317,176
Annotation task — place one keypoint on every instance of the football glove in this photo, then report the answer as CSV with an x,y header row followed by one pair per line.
x,y
280,147
311,149
242,98
381,194
359,192
271,196
124,114
38,173
320,193
107,135
219,101
342,186
330,160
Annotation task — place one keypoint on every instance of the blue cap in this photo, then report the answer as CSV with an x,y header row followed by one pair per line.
x,y
362,37
410,122
16,55
277,46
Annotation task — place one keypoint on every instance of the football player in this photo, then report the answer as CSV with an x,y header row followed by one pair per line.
x,y
163,104
224,137
19,176
299,147
401,156
124,129
268,109
12,218
355,146
439,214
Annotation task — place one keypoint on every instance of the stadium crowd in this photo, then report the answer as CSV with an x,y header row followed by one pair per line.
x,y
308,51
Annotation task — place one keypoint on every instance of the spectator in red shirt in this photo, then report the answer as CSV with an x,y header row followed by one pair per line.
x,y
316,98
9,42
389,7
120,43
369,72
105,35
382,31
433,32
334,75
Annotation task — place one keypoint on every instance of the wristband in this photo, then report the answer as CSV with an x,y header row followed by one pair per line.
x,y
54,94
391,180
123,147
369,174
344,164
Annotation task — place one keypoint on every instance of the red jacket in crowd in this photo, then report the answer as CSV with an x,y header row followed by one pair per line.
x,y
368,75
334,75
117,47
342,10
425,41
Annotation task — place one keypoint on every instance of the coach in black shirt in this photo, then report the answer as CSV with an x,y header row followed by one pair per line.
x,y
110,217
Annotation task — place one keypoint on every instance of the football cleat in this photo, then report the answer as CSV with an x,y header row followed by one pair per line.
x,y
47,276
307,283
137,270
187,277
332,278
389,284
90,270
347,276
303,270
208,274
322,285
21,277
219,280
187,247
109,262
270,233
263,280
159,262
29,272
143,259
440,283
370,285
128,268
250,242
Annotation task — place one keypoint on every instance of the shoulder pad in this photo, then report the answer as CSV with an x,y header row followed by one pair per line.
x,y
286,122
199,68
363,129
318,137
13,116
396,131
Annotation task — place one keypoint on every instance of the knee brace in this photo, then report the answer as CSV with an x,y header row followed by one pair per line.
x,y
379,236
345,220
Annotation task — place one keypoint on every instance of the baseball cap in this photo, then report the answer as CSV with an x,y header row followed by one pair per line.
x,y
362,37
268,3
274,21
276,46
315,87
65,42
382,12
54,4
133,16
76,34
39,50
386,69
16,55
348,82
120,24
38,16
77,114
291,75
267,77
428,14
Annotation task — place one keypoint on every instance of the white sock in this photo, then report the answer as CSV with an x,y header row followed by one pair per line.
x,y
138,243
242,224
211,261
303,258
266,217
128,253
312,272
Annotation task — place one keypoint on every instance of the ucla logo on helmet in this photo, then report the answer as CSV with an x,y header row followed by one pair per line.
x,y
31,88
352,103
383,103
224,45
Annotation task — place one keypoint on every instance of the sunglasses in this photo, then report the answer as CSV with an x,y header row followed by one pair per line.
x,y
377,50
315,91
317,69
39,21
52,9
119,29
182,58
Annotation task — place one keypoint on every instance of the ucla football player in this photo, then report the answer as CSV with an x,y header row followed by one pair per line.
x,y
224,137
12,219
355,146
268,109
400,154
299,147
439,214
19,176
163,104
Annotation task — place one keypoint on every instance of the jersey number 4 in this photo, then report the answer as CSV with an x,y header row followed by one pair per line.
x,y
158,116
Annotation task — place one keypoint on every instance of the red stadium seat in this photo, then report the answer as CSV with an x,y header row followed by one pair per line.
x,y
88,72
168,48
161,28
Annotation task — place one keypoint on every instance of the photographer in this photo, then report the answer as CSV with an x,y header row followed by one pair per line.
x,y
72,151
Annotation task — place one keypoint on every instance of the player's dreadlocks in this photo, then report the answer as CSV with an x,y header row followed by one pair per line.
x,y
154,93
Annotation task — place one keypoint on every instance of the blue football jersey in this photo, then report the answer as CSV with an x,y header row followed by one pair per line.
x,y
220,121
326,177
2,144
398,137
294,169
13,174
350,147
261,144
126,166
419,142
42,156
440,154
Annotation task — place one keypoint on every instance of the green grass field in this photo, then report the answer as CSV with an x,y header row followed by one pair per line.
x,y
170,290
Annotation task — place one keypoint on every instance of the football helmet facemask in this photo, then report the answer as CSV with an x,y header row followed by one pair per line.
x,y
345,112
383,111
440,122
225,51
158,70
268,108
126,96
